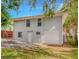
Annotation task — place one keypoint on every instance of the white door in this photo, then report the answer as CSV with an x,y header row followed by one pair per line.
x,y
30,37
37,37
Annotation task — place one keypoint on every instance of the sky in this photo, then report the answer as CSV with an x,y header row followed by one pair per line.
x,y
25,10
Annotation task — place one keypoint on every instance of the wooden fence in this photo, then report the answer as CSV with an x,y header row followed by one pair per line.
x,y
6,34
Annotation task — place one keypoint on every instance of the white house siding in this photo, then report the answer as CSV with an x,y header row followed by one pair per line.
x,y
20,27
50,31
35,28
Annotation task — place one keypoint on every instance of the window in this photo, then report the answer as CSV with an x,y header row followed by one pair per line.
x,y
19,34
37,33
39,22
28,23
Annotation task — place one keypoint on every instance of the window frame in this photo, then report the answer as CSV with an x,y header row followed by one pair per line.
x,y
38,33
28,23
39,22
19,34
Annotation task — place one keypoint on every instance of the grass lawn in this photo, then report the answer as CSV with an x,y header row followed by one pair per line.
x,y
38,53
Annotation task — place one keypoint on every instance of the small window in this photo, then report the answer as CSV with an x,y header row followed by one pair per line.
x,y
19,34
28,23
39,22
37,33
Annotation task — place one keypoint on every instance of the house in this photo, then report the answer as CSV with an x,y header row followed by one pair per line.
x,y
39,29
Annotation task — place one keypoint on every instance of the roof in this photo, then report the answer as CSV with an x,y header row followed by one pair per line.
x,y
34,17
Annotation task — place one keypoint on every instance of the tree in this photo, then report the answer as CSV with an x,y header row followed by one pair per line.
x,y
48,6
72,9
72,20
7,5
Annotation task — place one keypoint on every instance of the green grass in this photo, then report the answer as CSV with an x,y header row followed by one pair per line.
x,y
73,54
37,53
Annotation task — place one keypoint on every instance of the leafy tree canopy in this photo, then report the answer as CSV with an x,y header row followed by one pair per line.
x,y
7,5
48,6
72,9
